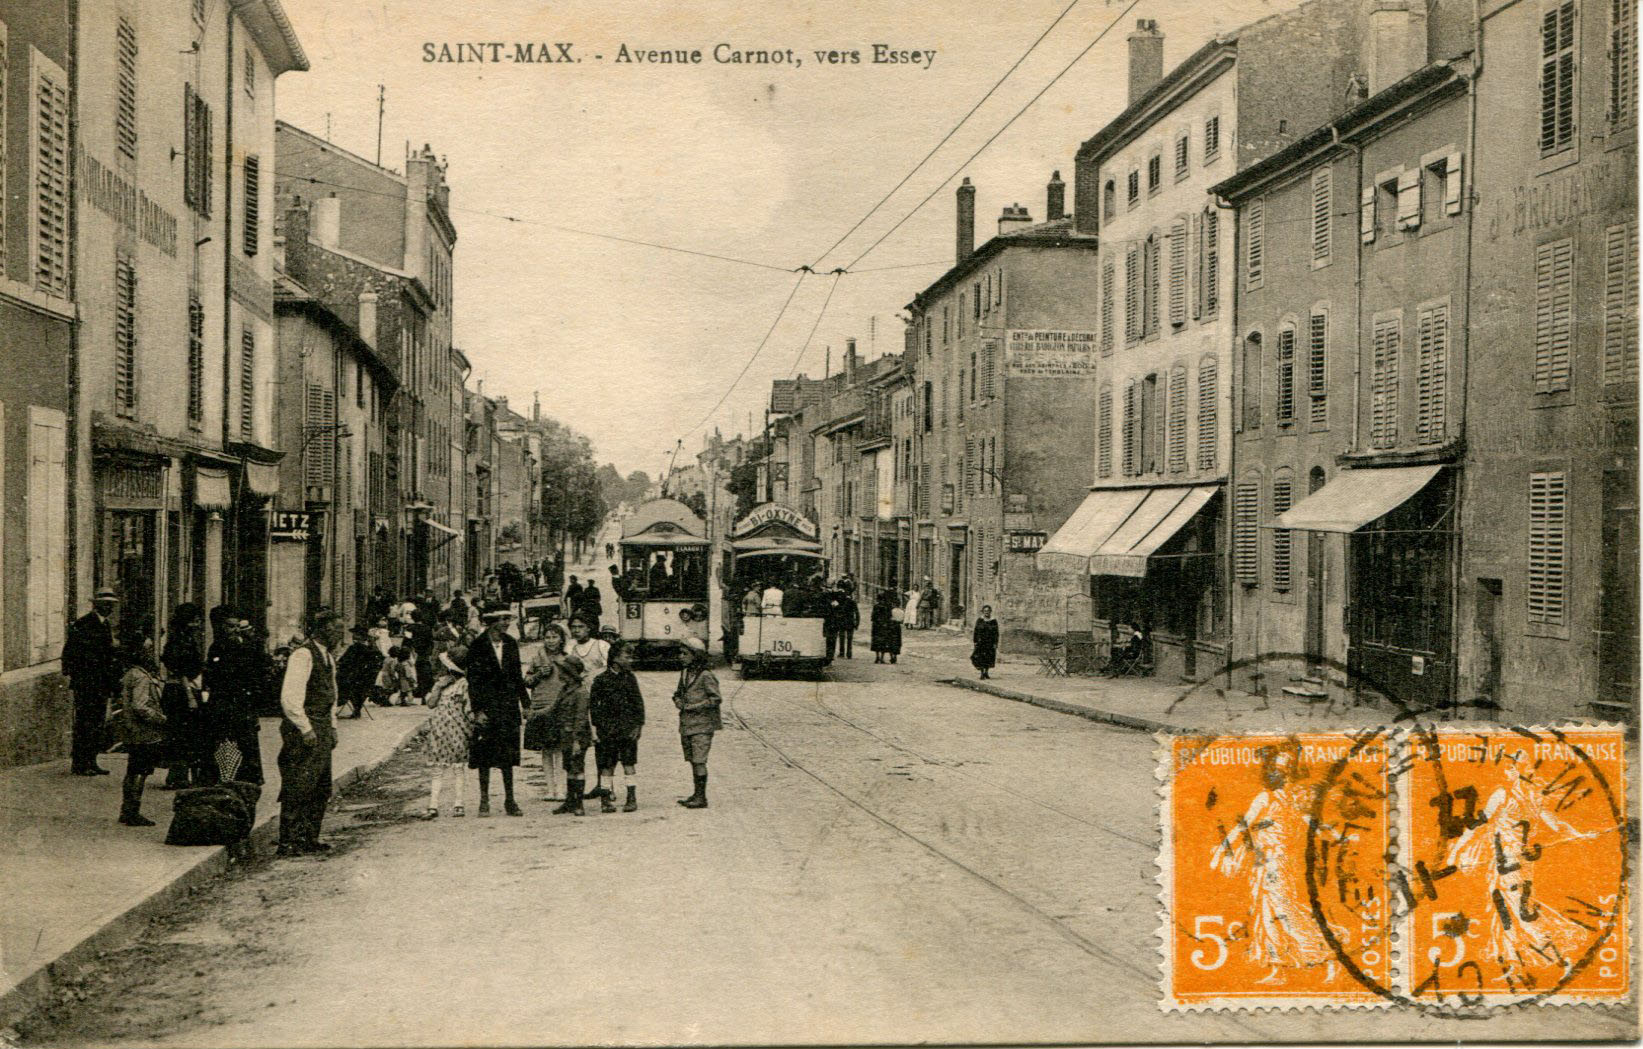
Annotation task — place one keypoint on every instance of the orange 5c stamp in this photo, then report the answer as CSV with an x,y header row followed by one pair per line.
x,y
1273,887
1447,869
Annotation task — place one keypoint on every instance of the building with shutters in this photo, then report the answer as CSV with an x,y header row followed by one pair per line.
x,y
36,323
1002,370
1347,429
332,511
173,442
1547,586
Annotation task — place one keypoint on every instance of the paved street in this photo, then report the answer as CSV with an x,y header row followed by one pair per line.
x,y
885,859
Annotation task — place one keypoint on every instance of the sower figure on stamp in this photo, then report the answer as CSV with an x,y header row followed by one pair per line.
x,y
307,737
1268,847
697,697
89,661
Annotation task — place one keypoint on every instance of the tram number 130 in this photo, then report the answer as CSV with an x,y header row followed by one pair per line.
x,y
782,646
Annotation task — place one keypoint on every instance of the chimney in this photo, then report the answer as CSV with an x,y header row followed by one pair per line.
x,y
368,318
850,362
1014,217
327,220
1397,41
1146,57
966,219
536,407
1055,199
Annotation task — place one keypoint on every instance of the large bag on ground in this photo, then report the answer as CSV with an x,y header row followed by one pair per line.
x,y
216,815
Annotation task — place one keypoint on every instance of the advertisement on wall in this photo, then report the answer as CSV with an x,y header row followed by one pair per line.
x,y
1038,354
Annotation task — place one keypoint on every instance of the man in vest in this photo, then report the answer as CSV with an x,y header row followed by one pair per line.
x,y
93,669
307,737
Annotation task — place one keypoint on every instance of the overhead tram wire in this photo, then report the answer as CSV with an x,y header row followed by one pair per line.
x,y
950,132
804,271
994,136
819,315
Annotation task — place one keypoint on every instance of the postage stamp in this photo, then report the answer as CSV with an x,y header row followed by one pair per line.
x,y
1452,869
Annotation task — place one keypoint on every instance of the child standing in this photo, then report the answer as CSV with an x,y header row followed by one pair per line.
x,y
549,677
397,680
449,729
618,712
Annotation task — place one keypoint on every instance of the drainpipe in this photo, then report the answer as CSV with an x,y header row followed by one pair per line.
x,y
1469,203
1235,426
232,540
75,451
1357,291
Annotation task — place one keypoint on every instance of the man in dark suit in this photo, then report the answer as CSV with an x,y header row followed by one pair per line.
x,y
90,661
498,696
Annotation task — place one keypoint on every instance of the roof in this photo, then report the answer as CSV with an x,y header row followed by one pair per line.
x,y
1139,115
1058,233
275,37
290,295
791,395
1426,82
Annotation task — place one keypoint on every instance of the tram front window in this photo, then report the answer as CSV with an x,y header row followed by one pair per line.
x,y
667,572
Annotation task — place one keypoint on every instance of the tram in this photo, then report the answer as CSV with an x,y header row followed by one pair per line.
x,y
775,548
663,584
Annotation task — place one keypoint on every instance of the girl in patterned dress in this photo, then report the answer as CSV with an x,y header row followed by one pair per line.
x,y
449,729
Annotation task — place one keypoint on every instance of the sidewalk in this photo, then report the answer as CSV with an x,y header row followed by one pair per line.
x,y
1146,704
75,882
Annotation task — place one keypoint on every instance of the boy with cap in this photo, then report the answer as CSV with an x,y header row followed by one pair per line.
x,y
697,697
618,712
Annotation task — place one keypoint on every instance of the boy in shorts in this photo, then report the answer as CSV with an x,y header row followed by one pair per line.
x,y
618,712
697,697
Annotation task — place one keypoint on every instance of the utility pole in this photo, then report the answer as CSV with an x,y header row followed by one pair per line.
x,y
382,94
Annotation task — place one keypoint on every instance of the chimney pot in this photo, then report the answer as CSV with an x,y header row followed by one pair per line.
x,y
966,219
1055,204
1013,217
1146,57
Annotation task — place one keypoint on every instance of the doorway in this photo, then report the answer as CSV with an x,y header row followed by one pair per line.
x,y
956,581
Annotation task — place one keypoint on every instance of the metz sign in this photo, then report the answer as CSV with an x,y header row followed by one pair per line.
x,y
774,513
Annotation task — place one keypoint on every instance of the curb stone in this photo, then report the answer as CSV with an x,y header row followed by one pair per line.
x,y
1109,717
35,990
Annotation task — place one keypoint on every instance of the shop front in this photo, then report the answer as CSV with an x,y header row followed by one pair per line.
x,y
130,490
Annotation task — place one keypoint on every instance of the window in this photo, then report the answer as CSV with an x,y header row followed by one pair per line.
x,y
1176,427
47,532
1548,549
1620,304
1181,155
1149,286
959,330
1106,308
1383,380
196,361
1178,273
253,204
1431,372
1109,200
1622,63
125,336
1246,532
960,398
250,74
1554,314
1317,366
1409,199
49,181
973,372
1149,425
1366,215
359,384
320,416
975,306
929,410
1103,432
989,370
1251,392
967,467
1321,197
248,384
1155,173
1283,496
1212,262
1444,174
1212,138
946,325
196,152
1132,293
1132,409
125,102
1255,256
1557,78
1285,371
1133,188
1208,393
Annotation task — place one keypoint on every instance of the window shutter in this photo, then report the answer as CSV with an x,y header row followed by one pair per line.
x,y
1129,429
1106,309
1212,138
1246,550
248,384
125,104
1452,184
1282,498
1208,393
196,360
51,184
1176,438
125,336
1181,154
1548,548
1557,79
1317,367
1132,289
1383,419
1212,261
1149,286
1432,372
47,532
1620,304
191,144
1409,199
1256,257
1178,273
989,358
1103,433
1196,292
1366,215
1286,374
253,204
1321,205
968,466
1622,62
1554,314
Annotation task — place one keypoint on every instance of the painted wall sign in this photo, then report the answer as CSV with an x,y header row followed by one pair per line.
x,y
1037,354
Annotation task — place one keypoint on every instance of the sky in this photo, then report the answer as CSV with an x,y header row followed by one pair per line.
x,y
635,346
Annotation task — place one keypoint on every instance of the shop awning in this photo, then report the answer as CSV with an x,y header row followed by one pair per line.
x,y
1096,518
1164,512
1356,497
211,490
262,478
450,533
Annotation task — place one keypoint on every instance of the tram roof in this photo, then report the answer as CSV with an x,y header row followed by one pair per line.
x,y
767,544
663,517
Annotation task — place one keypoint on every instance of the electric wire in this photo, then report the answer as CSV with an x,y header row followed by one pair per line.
x,y
803,272
837,274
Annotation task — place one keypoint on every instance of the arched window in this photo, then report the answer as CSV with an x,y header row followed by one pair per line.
x,y
1109,199
1103,432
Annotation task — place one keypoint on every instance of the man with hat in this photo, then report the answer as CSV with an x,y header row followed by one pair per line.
x,y
307,737
697,697
90,662
498,697
357,670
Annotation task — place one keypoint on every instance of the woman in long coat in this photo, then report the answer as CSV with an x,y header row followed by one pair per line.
x,y
497,696
183,658
984,656
886,630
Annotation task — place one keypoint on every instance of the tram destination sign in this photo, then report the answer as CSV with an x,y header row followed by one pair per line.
x,y
775,513
1039,354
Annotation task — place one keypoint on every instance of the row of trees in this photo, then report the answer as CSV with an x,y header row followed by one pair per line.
x,y
572,504
617,489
